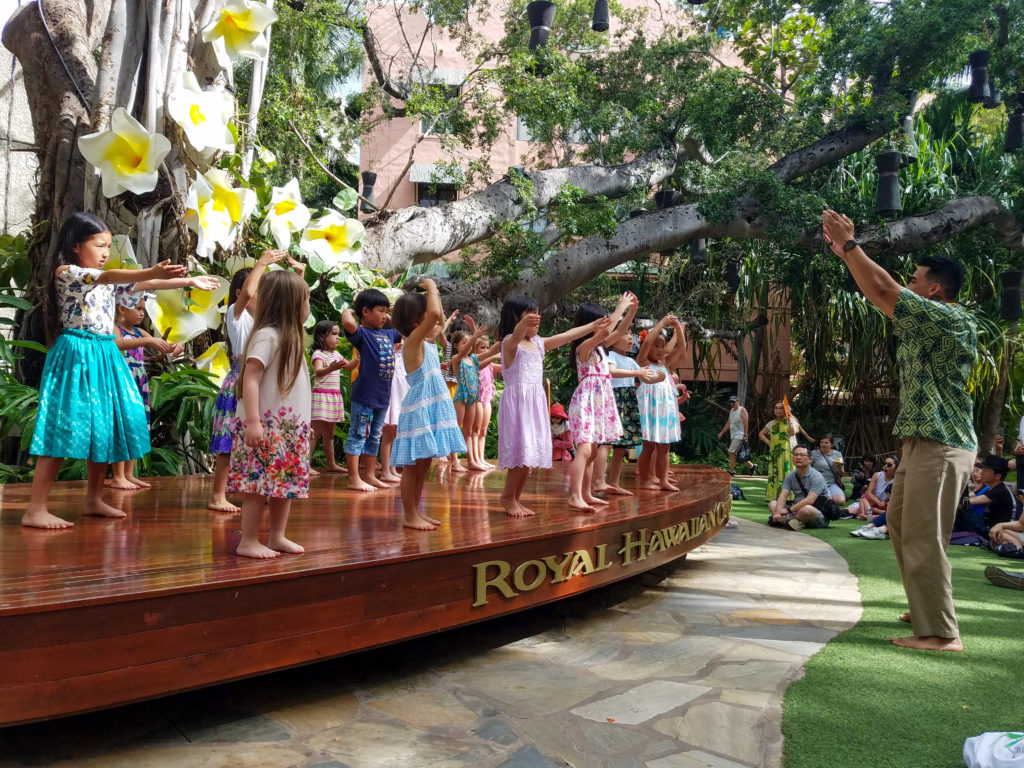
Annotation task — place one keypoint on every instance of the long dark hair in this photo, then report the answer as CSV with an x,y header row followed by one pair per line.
x,y
237,281
409,310
511,311
586,313
78,228
320,332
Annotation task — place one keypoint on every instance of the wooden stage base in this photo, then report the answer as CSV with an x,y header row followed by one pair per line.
x,y
116,611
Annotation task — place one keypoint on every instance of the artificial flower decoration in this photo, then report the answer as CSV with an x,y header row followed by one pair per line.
x,y
127,156
214,209
122,255
216,361
203,115
238,30
184,313
332,238
285,214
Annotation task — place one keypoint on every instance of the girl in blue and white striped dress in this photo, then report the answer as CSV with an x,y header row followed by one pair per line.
x,y
427,426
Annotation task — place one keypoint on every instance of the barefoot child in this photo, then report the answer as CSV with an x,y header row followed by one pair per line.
x,y
237,326
524,426
593,417
89,406
328,405
371,391
132,340
270,456
467,394
487,392
399,386
626,374
427,426
659,411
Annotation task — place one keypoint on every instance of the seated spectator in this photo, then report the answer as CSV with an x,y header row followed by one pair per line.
x,y
829,462
875,530
862,476
807,486
992,503
876,498
561,436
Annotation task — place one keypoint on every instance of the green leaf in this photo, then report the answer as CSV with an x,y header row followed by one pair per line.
x,y
345,199
316,264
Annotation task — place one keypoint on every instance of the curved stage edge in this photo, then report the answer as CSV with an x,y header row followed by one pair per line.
x,y
114,612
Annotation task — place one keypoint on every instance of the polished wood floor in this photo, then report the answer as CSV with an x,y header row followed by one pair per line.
x,y
170,542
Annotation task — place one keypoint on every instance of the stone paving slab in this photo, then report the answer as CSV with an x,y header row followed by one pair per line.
x,y
682,667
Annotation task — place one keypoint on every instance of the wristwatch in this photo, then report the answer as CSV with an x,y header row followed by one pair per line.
x,y
849,245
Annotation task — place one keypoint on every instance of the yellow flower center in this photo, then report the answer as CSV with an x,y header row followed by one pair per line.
x,y
225,199
123,156
196,115
285,206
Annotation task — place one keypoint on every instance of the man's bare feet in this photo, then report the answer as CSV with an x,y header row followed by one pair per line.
x,y
256,551
286,546
905,616
100,508
418,523
930,643
372,480
139,483
41,518
357,484
222,505
121,485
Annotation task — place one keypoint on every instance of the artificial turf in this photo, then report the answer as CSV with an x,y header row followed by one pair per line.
x,y
866,703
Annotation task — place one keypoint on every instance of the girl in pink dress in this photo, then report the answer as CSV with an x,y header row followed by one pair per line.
x,y
524,428
487,392
593,417
328,405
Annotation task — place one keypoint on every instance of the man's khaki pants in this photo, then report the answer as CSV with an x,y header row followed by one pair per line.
x,y
928,485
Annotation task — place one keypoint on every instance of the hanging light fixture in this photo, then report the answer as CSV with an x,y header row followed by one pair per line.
x,y
369,178
541,14
667,198
1010,298
908,142
601,19
1015,127
888,203
699,251
980,89
732,274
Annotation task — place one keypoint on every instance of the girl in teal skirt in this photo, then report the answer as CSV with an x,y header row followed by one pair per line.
x,y
89,405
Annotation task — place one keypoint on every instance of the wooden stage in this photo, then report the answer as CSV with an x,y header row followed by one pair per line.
x,y
116,611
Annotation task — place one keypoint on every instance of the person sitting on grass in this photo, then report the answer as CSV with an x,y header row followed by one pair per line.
x,y
861,477
807,486
875,498
992,505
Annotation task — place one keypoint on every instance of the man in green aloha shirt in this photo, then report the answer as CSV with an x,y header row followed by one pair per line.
x,y
936,347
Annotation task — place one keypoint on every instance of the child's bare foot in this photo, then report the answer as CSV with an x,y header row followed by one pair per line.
x,y
514,509
391,478
100,508
458,469
618,490
602,488
372,480
418,523
580,505
929,643
286,546
121,485
337,469
256,550
41,518
313,473
480,467
429,519
648,486
221,504
357,484
667,485
140,483
594,501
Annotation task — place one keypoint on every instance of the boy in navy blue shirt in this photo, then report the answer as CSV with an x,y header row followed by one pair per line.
x,y
371,391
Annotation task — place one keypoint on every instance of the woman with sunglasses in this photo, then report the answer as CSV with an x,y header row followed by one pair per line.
x,y
876,495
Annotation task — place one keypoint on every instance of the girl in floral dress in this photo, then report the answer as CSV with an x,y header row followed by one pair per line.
x,y
487,392
467,392
328,405
659,409
593,417
270,454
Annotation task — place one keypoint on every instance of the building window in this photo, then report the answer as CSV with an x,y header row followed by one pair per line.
x,y
523,130
450,95
428,195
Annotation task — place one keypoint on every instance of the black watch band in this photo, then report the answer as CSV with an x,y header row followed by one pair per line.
x,y
849,245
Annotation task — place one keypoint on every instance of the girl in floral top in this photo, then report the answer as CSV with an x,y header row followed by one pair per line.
x,y
270,455
89,406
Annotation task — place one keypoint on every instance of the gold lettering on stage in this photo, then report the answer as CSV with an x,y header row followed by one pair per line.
x,y
519,576
498,582
636,547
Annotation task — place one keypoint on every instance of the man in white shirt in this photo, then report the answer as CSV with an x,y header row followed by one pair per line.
x,y
736,425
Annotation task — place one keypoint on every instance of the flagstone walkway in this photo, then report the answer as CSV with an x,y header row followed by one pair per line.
x,y
682,667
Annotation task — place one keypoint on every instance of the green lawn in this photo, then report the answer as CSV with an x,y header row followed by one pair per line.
x,y
865,703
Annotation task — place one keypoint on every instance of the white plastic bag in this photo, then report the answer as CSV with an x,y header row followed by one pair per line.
x,y
996,749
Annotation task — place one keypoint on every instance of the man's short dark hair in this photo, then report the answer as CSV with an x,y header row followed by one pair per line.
x,y
368,298
947,273
803,448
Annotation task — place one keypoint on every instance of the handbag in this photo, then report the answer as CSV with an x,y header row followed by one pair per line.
x,y
823,504
838,478
743,454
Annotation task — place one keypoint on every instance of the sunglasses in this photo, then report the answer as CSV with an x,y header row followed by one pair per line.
x,y
888,464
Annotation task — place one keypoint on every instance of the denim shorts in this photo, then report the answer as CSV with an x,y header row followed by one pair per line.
x,y
365,426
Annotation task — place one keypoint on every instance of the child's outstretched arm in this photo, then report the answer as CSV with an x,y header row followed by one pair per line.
x,y
526,328
586,348
199,282
458,357
561,339
153,342
252,282
162,271
622,318
447,325
678,351
412,349
652,335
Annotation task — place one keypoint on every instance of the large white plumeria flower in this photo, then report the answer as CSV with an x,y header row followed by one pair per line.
x,y
285,214
214,209
216,361
127,155
203,115
238,30
182,320
122,255
332,237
